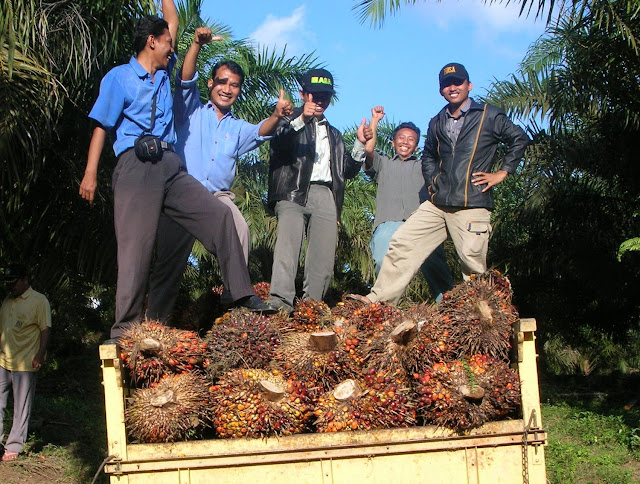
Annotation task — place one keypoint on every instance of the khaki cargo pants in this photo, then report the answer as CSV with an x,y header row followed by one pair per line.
x,y
421,234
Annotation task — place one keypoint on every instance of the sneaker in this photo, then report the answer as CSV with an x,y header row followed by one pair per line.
x,y
253,303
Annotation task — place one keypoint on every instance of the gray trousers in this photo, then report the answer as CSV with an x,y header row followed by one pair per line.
x,y
318,219
173,248
141,192
23,384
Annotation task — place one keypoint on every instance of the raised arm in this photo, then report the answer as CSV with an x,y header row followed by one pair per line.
x,y
377,113
202,36
170,14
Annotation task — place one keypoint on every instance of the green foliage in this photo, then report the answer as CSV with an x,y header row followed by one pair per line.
x,y
588,446
567,210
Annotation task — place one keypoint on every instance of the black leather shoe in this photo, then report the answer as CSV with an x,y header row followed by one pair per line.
x,y
253,303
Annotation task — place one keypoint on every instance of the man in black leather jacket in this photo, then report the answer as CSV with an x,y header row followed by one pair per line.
x,y
456,163
307,173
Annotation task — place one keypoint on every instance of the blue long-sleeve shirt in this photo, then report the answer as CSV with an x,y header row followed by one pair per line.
x,y
210,146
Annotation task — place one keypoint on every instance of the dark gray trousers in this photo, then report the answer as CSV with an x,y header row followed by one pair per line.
x,y
23,384
318,219
141,192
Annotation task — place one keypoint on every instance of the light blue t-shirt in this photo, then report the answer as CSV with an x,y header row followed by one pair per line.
x,y
123,107
210,147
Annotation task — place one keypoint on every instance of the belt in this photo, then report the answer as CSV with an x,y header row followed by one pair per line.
x,y
322,183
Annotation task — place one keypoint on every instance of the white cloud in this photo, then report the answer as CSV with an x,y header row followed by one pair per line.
x,y
276,32
494,18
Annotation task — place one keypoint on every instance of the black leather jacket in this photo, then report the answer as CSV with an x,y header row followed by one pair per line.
x,y
448,168
291,163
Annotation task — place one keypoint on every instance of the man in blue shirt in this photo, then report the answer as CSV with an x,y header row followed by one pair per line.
x,y
210,139
135,99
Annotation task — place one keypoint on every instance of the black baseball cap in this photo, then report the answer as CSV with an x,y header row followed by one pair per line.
x,y
453,71
14,272
317,80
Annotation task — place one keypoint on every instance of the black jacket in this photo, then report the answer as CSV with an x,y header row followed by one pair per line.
x,y
448,168
291,163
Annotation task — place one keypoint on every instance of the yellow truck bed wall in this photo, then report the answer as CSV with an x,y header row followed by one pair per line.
x,y
510,451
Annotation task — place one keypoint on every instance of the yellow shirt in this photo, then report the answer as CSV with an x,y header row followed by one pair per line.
x,y
21,321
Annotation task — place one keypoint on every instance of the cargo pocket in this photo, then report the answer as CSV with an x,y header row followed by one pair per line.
x,y
477,239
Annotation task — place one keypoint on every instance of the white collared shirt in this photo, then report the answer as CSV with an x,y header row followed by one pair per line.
x,y
322,159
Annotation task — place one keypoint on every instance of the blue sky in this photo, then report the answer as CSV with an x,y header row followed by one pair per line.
x,y
396,66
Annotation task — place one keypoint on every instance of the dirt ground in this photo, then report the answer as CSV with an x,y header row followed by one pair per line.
x,y
35,470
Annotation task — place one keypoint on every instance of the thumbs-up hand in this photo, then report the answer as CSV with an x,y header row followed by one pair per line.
x,y
309,108
364,132
283,106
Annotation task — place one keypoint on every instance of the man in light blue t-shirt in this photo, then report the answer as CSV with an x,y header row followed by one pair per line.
x,y
210,139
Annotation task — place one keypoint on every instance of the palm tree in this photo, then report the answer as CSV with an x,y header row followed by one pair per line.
x,y
52,55
580,83
376,11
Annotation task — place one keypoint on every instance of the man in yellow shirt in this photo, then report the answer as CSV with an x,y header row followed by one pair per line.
x,y
25,326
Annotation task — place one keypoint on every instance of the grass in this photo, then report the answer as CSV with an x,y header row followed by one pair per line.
x,y
593,438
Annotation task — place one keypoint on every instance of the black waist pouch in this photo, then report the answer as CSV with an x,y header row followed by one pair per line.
x,y
148,148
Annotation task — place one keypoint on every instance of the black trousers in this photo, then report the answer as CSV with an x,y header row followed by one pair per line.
x,y
144,190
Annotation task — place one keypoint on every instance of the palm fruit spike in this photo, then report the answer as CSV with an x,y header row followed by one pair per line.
x,y
388,351
448,398
343,311
432,343
338,409
374,319
150,350
382,402
175,409
502,383
262,289
480,315
366,324
465,394
241,339
259,403
316,358
311,315
141,346
392,399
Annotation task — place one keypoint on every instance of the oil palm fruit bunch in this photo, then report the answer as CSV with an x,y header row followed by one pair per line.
x,y
432,342
343,311
354,405
316,358
241,339
262,289
392,399
501,382
176,408
464,394
259,403
480,315
311,315
374,319
389,350
367,324
150,350
448,397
